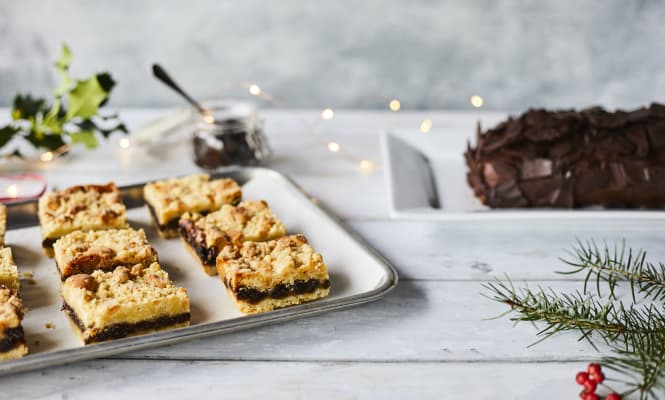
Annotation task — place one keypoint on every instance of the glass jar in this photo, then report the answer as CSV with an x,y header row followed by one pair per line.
x,y
232,134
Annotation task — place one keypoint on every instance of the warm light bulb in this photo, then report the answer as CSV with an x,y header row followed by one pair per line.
x,y
426,126
395,105
366,165
476,101
125,143
46,157
334,147
208,119
254,89
327,113
12,191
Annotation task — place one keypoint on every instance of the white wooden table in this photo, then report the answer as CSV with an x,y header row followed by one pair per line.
x,y
429,338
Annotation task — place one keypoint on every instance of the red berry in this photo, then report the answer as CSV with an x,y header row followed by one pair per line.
x,y
613,396
594,369
581,377
590,386
592,396
598,378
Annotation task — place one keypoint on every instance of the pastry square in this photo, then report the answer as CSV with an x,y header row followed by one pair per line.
x,y
12,340
130,300
82,252
85,207
8,270
206,236
167,200
263,276
3,223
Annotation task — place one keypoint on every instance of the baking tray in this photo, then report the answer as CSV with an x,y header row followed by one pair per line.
x,y
426,179
357,274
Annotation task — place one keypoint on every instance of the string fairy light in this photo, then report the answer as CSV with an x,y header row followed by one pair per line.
x,y
426,126
334,147
254,89
476,101
327,114
12,191
46,156
366,165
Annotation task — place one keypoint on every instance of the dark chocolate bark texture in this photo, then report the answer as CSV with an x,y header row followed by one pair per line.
x,y
571,159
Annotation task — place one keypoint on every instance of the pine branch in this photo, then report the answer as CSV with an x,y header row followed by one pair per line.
x,y
635,332
614,266
579,312
645,367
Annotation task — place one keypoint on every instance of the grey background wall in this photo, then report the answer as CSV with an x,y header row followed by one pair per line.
x,y
349,53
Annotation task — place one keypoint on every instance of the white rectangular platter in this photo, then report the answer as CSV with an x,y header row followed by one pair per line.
x,y
426,179
357,274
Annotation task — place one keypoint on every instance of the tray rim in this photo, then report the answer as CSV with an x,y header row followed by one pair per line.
x,y
119,346
490,214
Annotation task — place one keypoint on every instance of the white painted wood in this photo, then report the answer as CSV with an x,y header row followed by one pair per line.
x,y
124,379
474,250
419,320
428,338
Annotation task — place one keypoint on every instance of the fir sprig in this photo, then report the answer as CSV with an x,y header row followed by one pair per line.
x,y
634,332
619,264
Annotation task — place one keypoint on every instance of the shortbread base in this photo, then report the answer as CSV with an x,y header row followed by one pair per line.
x,y
210,270
270,304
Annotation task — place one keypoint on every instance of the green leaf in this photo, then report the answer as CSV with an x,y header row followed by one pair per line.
x,y
86,137
7,133
83,101
106,81
91,125
62,66
26,107
65,59
51,121
43,140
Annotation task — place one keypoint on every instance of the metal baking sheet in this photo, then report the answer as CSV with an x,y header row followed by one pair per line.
x,y
426,179
357,274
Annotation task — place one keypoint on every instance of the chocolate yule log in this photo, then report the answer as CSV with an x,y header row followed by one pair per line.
x,y
571,159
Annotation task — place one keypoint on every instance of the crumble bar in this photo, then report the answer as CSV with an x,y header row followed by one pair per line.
x,y
83,252
8,270
12,339
205,236
84,207
130,300
263,276
167,200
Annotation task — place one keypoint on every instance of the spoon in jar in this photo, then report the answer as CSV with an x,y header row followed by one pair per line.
x,y
163,76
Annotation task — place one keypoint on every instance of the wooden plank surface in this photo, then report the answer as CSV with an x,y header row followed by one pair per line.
x,y
429,338
124,379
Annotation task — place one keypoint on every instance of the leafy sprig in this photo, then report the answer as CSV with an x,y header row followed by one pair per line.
x,y
619,264
634,331
73,117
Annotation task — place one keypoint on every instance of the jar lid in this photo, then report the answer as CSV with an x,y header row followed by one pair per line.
x,y
227,112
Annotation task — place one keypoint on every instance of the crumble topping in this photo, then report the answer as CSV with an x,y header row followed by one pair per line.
x,y
83,207
252,219
194,193
87,251
263,265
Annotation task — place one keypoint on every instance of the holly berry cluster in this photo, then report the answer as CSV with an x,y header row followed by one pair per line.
x,y
590,379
